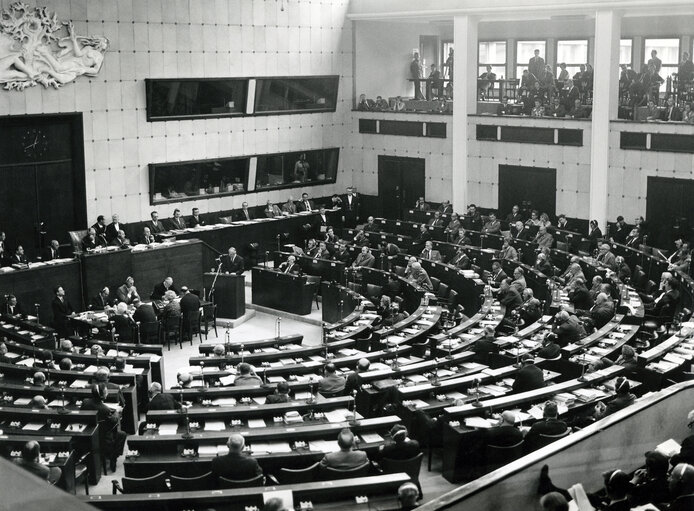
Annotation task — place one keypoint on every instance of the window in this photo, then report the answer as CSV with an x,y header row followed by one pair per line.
x,y
301,167
492,53
309,94
525,51
446,48
185,99
625,49
573,54
668,52
176,182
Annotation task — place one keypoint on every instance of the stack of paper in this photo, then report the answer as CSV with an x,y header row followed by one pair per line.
x,y
669,448
168,429
371,438
323,445
256,423
337,415
207,450
478,422
215,426
32,426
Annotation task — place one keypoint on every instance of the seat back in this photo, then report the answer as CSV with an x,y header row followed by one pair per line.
x,y
542,440
374,291
443,291
498,455
435,283
149,332
313,279
298,475
410,466
225,483
172,324
453,298
399,270
76,238
153,484
203,482
328,473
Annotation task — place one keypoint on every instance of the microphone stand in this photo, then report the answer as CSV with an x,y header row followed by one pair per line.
x,y
435,381
477,403
137,329
182,409
36,308
279,237
278,327
517,345
242,348
186,435
582,378
210,295
62,410
340,305
310,399
353,421
202,376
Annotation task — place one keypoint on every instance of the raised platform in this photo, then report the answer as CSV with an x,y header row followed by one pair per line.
x,y
233,323
315,318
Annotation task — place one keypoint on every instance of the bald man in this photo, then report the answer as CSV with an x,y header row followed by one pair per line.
x,y
159,401
236,465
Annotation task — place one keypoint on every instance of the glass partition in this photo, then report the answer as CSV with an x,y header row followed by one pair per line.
x,y
192,98
301,167
304,94
175,182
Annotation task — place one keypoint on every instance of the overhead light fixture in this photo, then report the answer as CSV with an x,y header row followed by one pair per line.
x,y
283,4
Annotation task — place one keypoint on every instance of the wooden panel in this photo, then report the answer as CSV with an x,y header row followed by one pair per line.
x,y
36,286
367,126
403,128
486,132
436,129
182,262
672,143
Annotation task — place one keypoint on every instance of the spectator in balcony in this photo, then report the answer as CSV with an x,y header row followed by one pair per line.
x,y
527,80
655,61
688,114
486,82
685,71
537,93
435,82
536,65
671,113
364,104
588,78
449,64
504,108
652,111
548,81
578,111
563,75
381,104
416,75
492,226
514,216
626,78
538,110
527,102
578,77
572,94
399,104
555,109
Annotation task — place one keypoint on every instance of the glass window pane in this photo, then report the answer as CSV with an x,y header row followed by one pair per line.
x,y
668,50
625,46
195,98
499,71
572,52
282,170
492,52
302,94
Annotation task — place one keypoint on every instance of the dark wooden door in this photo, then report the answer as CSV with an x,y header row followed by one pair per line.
x,y
400,183
669,209
533,185
42,181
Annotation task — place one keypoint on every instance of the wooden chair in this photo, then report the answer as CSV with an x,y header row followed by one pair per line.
x,y
329,474
203,482
298,475
411,467
314,279
228,484
209,315
153,484
192,325
498,456
150,333
76,238
172,328
82,471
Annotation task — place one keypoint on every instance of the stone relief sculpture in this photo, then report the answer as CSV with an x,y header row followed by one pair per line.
x,y
34,49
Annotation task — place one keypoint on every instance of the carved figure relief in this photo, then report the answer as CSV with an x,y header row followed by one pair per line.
x,y
36,48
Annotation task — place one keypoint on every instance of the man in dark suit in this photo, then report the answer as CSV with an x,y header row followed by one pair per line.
x,y
619,231
666,303
235,465
543,265
159,401
513,217
163,287
505,433
146,238
195,219
550,350
509,296
364,259
461,260
350,208
568,328
429,253
190,309
521,232
424,236
549,425
306,204
144,312
536,65
529,376
281,394
102,300
290,266
155,225
12,307
112,229
353,381
572,94
51,252
91,241
232,262
100,230
29,461
600,313
177,221
671,113
244,213
579,295
342,254
485,344
120,241
61,310
347,457
498,274
436,220
321,223
18,257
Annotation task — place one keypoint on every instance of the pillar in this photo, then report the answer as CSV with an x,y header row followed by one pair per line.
x,y
464,104
605,103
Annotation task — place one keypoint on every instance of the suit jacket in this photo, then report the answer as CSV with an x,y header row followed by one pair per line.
x,y
190,303
607,259
49,254
581,299
240,214
289,207
545,427
498,277
544,240
570,331
272,211
436,222
123,294
667,304
435,255
155,227
100,233
422,280
461,261
321,224
509,253
235,266
344,460
123,326
98,302
528,378
178,223
163,402
671,114
144,314
277,398
350,211
117,242
602,314
159,290
18,309
492,227
400,450
146,240
343,257
333,383
511,299
61,309
111,231
523,234
366,260
550,351
503,436
303,207
235,466
295,268
89,244
194,222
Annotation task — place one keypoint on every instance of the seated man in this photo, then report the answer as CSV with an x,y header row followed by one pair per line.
x,y
353,382
51,252
420,278
401,447
290,266
12,307
18,257
147,238
429,253
235,465
549,425
346,458
177,221
163,287
271,210
364,259
110,419
195,219
127,292
232,262
120,241
331,383
31,451
529,376
568,328
154,225
91,241
461,260
436,220
281,394
543,238
492,226
159,401
606,258
600,313
246,377
461,238
371,225
485,344
289,207
103,300
550,349
507,251
505,433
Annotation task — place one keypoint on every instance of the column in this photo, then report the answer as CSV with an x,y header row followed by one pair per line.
x,y
464,103
605,103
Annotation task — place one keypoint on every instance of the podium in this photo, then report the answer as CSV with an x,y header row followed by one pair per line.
x,y
229,294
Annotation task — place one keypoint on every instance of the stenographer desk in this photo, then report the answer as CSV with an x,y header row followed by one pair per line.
x,y
282,291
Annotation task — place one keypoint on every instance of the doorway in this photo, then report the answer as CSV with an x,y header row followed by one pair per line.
x,y
669,206
42,182
528,187
400,184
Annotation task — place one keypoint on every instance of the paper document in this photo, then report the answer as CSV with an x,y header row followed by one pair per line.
x,y
214,426
256,423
